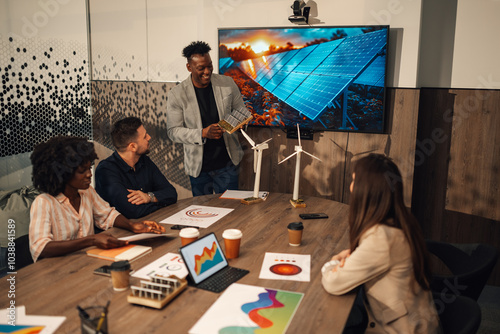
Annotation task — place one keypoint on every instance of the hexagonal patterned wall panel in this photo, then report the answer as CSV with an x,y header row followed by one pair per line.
x,y
45,92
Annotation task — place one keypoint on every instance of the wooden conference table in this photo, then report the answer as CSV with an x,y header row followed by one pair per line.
x,y
55,286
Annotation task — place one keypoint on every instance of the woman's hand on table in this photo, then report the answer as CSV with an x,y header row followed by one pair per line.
x,y
147,226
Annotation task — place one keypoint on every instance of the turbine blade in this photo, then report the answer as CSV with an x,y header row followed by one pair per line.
x,y
248,138
266,141
312,155
291,155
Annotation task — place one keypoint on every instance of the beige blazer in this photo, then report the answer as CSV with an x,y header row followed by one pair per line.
x,y
394,301
184,123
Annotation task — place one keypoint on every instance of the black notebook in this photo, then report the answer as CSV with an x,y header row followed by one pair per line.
x,y
207,266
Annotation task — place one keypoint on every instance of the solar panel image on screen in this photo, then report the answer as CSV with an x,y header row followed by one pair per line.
x,y
274,63
317,56
315,93
289,85
312,72
329,78
224,63
270,62
285,70
374,75
276,79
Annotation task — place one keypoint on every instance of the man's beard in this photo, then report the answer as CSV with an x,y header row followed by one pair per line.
x,y
146,152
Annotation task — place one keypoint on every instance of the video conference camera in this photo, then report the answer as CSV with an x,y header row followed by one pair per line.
x,y
300,16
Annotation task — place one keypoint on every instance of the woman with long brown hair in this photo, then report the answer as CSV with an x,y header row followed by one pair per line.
x,y
387,254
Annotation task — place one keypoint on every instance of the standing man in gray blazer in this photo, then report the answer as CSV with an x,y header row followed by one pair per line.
x,y
194,107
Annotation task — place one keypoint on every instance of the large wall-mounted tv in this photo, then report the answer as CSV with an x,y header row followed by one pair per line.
x,y
324,78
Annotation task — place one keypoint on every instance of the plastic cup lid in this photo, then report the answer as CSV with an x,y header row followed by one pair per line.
x,y
189,232
120,265
232,234
296,226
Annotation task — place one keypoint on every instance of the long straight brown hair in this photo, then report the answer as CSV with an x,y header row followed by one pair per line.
x,y
377,198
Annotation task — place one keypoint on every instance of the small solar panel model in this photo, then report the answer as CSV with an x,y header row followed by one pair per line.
x,y
158,292
324,78
235,120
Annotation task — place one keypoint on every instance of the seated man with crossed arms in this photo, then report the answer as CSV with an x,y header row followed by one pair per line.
x,y
128,179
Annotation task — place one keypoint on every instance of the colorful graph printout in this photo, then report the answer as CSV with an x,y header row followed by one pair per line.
x,y
168,264
247,309
197,215
290,267
28,324
20,329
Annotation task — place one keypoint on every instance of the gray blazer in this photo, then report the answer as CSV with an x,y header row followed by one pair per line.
x,y
184,120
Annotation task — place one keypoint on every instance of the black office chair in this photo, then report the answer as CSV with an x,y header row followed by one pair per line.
x,y
470,265
23,254
457,314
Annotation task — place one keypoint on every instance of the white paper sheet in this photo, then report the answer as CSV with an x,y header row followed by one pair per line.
x,y
50,323
168,264
288,267
197,215
242,194
142,236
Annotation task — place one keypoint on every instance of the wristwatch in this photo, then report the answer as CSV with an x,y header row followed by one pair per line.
x,y
151,196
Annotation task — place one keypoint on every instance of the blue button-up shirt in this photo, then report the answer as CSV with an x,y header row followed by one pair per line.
x,y
113,176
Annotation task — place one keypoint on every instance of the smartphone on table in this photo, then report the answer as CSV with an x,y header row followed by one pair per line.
x,y
104,271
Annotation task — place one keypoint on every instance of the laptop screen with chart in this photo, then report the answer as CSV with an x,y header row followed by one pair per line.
x,y
207,266
203,257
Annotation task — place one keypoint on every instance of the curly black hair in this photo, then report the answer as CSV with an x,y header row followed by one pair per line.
x,y
196,48
124,132
55,162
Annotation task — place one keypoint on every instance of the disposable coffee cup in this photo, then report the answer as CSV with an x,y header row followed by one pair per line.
x,y
232,240
295,233
188,235
120,275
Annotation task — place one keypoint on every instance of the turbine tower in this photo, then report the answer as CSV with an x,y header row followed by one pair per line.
x,y
296,202
257,163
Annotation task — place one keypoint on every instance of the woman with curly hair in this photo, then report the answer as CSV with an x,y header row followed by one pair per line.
x,y
387,254
64,215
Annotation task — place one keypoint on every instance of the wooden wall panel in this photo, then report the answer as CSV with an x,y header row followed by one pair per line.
x,y
403,134
431,167
358,146
473,176
456,167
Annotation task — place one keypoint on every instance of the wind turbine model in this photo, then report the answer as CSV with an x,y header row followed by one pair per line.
x,y
257,162
296,202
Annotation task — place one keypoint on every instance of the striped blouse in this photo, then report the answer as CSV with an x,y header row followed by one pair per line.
x,y
55,219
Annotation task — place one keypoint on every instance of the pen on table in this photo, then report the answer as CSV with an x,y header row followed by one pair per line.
x,y
103,316
82,312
